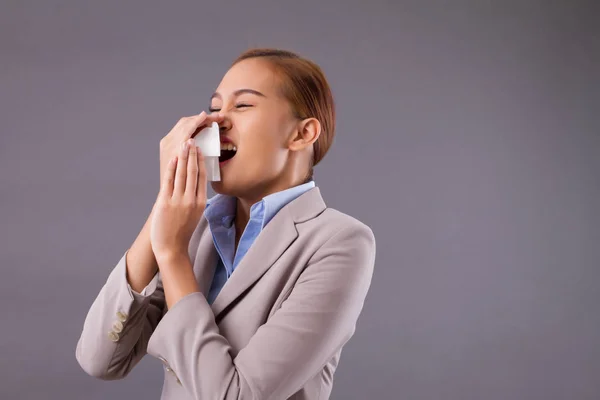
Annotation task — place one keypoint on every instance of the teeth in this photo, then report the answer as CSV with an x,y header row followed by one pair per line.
x,y
228,146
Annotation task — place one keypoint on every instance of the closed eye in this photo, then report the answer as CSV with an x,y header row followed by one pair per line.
x,y
236,106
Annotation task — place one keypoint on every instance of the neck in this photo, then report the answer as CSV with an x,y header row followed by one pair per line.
x,y
244,203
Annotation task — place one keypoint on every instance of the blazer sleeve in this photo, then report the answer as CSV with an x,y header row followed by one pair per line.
x,y
314,322
118,325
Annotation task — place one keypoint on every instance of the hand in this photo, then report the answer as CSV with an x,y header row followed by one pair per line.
x,y
184,129
180,203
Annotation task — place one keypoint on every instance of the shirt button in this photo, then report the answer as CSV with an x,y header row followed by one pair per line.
x,y
118,327
113,336
122,316
163,361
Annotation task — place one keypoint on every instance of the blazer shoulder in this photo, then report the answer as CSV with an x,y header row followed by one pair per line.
x,y
343,220
337,222
343,239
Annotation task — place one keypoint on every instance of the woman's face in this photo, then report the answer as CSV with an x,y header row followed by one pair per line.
x,y
259,122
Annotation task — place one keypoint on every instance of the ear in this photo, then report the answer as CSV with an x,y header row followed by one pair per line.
x,y
306,133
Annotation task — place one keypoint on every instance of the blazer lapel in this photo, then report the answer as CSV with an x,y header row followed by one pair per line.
x,y
270,244
266,249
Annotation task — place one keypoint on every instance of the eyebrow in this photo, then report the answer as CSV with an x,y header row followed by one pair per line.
x,y
238,92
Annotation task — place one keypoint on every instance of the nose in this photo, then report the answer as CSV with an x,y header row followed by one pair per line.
x,y
224,121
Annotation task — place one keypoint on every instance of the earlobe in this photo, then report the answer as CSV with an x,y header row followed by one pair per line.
x,y
307,132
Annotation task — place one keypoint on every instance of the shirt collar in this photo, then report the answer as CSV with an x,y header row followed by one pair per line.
x,y
221,208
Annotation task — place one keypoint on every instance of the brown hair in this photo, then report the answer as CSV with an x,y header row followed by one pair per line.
x,y
305,87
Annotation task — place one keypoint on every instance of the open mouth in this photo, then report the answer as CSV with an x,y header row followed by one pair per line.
x,y
228,151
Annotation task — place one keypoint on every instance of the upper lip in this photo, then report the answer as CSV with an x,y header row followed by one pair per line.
x,y
225,139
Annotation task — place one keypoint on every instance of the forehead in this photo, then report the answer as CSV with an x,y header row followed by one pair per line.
x,y
249,74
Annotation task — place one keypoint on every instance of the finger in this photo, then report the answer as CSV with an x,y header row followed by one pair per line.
x,y
215,116
203,121
180,174
201,186
195,124
192,174
166,188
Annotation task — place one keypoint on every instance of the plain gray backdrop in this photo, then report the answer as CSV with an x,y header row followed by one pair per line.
x,y
467,139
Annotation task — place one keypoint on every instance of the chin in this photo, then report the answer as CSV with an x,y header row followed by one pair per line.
x,y
221,188
218,187
235,189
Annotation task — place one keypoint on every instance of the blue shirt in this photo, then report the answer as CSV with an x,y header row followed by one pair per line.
x,y
220,214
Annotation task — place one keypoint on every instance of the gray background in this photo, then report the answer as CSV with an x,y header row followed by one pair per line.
x,y
468,139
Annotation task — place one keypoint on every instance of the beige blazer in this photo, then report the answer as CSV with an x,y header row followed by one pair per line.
x,y
276,329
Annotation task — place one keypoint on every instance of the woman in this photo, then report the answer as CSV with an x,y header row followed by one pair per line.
x,y
250,294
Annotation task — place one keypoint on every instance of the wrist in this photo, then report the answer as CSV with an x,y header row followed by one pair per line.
x,y
178,277
167,258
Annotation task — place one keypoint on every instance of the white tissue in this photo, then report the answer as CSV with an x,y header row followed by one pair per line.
x,y
209,142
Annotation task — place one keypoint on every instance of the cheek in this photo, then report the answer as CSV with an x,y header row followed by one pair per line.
x,y
262,154
260,134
